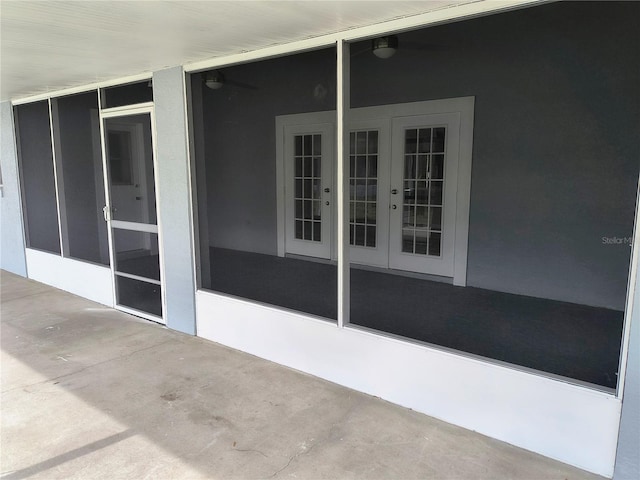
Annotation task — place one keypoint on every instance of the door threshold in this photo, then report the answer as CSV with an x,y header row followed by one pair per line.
x,y
139,313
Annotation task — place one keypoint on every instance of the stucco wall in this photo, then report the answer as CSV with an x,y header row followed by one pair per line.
x,y
12,257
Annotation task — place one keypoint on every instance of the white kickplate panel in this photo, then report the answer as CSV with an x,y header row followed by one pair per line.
x,y
80,278
569,423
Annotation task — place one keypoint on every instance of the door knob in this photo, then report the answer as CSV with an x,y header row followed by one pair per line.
x,y
394,191
393,207
326,203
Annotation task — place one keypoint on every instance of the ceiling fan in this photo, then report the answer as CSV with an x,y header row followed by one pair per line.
x,y
215,80
385,47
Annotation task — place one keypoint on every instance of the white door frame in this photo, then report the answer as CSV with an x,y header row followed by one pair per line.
x,y
462,106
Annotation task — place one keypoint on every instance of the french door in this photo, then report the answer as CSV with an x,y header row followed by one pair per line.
x,y
423,187
404,204
131,211
308,189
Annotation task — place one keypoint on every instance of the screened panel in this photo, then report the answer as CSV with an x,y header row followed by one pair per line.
x,y
242,251
139,295
136,253
129,150
39,202
552,192
80,177
130,94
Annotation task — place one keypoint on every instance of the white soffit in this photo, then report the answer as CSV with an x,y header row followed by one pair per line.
x,y
48,46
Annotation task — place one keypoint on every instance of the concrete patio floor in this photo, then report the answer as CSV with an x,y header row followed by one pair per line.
x,y
90,392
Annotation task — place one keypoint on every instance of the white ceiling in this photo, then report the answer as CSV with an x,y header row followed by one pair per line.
x,y
47,46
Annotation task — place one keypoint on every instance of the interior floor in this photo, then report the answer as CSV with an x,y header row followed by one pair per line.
x,y
570,340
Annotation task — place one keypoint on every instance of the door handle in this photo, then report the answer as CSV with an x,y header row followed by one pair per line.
x,y
394,191
326,190
106,212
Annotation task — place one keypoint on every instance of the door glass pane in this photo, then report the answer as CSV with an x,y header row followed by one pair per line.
x,y
76,126
139,295
137,253
363,148
130,94
308,185
130,166
416,216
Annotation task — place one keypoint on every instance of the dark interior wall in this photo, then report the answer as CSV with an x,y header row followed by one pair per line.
x,y
240,142
555,160
37,177
556,144
76,149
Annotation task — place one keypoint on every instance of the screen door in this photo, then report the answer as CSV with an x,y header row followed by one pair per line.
x,y
131,213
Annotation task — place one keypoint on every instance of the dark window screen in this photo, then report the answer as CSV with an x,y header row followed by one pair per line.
x,y
129,94
80,177
37,177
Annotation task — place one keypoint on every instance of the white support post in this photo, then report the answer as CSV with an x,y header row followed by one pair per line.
x,y
342,197
58,182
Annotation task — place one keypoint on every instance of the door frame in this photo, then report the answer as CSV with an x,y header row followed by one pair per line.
x,y
126,111
464,106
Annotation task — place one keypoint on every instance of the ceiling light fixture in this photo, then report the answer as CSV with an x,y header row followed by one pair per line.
x,y
214,80
384,47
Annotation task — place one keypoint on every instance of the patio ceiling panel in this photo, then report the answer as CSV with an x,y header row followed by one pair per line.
x,y
47,46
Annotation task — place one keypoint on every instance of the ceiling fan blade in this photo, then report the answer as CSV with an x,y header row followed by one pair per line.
x,y
360,51
432,47
241,84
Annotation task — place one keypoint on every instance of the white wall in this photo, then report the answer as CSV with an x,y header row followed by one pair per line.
x,y
570,423
174,220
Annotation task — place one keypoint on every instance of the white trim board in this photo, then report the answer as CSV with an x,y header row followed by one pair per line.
x,y
569,423
85,279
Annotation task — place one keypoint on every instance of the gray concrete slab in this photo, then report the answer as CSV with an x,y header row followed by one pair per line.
x,y
89,392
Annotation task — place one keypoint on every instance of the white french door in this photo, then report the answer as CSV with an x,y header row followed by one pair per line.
x,y
408,205
369,154
308,152
422,214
